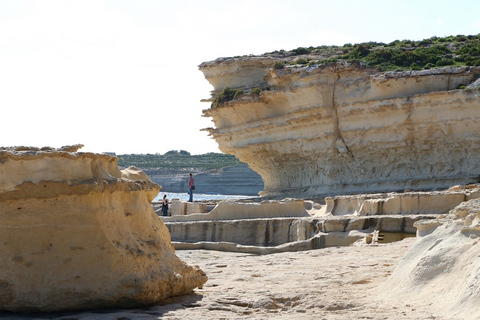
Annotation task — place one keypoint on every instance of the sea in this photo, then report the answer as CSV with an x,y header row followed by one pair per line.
x,y
198,196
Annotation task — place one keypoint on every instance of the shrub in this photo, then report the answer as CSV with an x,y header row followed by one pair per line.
x,y
360,50
238,94
424,42
255,91
445,62
279,64
227,94
300,61
300,50
380,56
415,66
393,43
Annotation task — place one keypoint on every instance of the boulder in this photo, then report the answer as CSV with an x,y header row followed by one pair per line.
x,y
78,233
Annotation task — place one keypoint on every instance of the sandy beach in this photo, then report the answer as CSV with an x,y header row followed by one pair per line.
x,y
332,283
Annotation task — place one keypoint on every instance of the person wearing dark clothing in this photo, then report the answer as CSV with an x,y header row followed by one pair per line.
x,y
165,206
191,187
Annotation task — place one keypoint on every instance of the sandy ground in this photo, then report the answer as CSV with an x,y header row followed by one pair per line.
x,y
332,283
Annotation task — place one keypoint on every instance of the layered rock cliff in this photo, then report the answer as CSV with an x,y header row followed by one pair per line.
x,y
343,128
77,233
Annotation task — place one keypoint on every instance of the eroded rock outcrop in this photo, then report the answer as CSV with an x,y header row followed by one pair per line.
x,y
343,128
442,268
405,203
295,224
77,233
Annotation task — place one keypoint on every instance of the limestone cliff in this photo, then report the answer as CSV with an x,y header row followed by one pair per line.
x,y
343,128
77,233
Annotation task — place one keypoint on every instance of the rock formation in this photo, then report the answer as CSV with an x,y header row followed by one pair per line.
x,y
442,268
294,224
343,128
78,233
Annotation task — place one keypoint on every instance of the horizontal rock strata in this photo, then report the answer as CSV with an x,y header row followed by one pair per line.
x,y
342,128
78,233
318,233
407,203
293,224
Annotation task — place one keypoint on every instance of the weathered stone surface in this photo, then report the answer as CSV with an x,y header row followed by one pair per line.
x,y
76,232
340,128
335,283
441,269
232,210
294,224
407,203
270,235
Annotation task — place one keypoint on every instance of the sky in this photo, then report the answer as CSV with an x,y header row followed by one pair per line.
x,y
122,75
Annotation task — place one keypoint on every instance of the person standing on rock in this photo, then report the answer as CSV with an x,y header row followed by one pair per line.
x,y
191,187
165,206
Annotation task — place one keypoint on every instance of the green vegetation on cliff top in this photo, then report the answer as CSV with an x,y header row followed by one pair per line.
x,y
398,55
178,160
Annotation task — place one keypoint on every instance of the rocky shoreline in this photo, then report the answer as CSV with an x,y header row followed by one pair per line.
x,y
238,180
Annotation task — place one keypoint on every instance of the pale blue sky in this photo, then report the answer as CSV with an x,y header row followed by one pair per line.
x,y
122,76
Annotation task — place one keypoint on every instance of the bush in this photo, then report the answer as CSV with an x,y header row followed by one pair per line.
x,y
255,92
300,50
393,43
380,56
238,94
415,66
279,64
360,50
300,61
445,62
226,95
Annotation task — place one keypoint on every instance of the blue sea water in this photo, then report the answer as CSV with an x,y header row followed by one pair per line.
x,y
197,196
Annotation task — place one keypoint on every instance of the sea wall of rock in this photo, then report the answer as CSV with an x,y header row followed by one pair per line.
x,y
343,128
78,233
